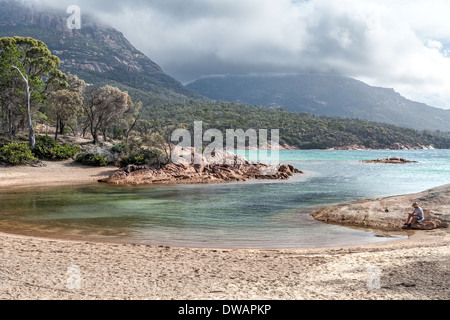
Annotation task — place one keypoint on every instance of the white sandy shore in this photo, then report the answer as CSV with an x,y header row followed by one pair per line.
x,y
54,173
36,268
32,268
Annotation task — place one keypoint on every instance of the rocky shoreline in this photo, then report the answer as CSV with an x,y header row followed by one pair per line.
x,y
390,213
224,167
395,146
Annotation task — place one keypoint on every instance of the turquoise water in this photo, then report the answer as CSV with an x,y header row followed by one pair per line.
x,y
258,214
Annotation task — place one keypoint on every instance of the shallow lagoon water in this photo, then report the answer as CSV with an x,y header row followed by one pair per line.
x,y
257,214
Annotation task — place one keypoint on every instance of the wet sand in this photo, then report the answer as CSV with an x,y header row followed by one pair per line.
x,y
36,268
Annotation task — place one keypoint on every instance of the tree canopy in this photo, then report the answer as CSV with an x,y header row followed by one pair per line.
x,y
31,61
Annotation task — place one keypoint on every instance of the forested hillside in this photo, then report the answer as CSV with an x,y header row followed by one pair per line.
x,y
304,131
324,94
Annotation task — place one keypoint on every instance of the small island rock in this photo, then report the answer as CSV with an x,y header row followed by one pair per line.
x,y
390,160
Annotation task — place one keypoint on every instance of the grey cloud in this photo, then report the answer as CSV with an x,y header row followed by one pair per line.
x,y
177,10
368,39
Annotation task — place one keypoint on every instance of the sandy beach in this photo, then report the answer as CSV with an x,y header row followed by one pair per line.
x,y
53,173
416,268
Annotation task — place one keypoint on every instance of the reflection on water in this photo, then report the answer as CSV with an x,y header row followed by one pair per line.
x,y
261,214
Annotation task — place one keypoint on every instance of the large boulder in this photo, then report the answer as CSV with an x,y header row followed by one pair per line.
x,y
220,167
391,212
428,224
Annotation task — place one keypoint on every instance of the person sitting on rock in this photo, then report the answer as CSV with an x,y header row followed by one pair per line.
x,y
417,216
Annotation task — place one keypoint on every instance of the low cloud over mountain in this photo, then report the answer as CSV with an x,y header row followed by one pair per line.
x,y
396,44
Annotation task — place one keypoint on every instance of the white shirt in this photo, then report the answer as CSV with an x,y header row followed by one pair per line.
x,y
419,212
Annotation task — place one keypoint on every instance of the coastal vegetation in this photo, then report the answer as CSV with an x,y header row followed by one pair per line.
x,y
141,157
33,92
35,96
297,130
48,149
28,69
19,153
92,159
16,154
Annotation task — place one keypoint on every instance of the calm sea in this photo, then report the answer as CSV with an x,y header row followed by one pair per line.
x,y
258,214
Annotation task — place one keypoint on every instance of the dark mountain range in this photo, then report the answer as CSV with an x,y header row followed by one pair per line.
x,y
102,55
324,94
96,53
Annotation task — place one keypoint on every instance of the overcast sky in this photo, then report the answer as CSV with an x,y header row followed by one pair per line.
x,y
400,44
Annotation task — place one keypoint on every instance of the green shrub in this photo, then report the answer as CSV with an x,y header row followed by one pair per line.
x,y
144,157
120,148
137,160
16,154
48,149
63,152
90,159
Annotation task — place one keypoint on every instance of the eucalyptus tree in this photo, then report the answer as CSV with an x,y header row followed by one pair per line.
x,y
64,106
32,62
104,107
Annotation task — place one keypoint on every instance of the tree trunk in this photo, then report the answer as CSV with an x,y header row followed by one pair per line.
x,y
94,133
84,130
74,133
127,135
62,127
56,131
10,124
31,132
